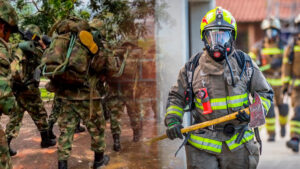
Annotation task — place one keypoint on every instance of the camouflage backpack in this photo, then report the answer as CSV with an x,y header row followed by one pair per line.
x,y
67,60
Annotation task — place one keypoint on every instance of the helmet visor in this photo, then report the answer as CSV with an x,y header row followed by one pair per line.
x,y
216,37
272,33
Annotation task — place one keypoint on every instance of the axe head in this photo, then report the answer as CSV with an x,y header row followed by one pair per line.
x,y
257,116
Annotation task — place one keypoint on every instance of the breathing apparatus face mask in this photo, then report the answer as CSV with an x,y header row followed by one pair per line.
x,y
218,42
272,34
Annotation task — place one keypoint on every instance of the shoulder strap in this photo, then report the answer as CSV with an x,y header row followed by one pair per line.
x,y
245,63
190,69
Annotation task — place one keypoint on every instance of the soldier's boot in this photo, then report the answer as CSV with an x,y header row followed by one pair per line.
x,y
136,135
271,137
62,164
117,144
11,151
293,144
46,141
50,131
79,128
282,130
100,160
86,38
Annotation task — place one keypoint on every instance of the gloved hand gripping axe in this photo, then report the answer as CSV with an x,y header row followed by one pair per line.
x,y
255,110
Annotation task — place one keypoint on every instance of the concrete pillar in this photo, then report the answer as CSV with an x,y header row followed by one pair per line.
x,y
172,35
198,8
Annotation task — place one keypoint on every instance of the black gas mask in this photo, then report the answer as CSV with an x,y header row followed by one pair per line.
x,y
218,43
272,34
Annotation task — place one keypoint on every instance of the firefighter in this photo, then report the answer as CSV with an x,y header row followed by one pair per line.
x,y
229,76
291,79
268,55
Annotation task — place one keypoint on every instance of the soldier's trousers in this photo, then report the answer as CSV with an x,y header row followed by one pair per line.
x,y
33,104
55,111
295,121
70,114
115,106
5,162
7,105
282,108
134,113
246,157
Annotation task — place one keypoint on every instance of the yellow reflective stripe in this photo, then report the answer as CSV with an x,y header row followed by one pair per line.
x,y
223,103
271,51
285,60
265,67
275,82
283,119
270,127
270,120
266,103
287,79
295,82
205,143
295,123
232,144
173,109
295,130
252,55
297,48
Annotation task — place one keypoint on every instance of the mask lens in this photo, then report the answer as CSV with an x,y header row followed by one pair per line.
x,y
272,33
217,37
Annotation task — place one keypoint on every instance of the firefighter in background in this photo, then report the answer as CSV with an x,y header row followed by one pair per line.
x,y
291,79
268,55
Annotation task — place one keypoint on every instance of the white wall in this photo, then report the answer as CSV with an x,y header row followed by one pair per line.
x,y
173,38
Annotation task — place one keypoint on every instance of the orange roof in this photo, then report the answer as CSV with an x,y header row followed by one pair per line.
x,y
256,10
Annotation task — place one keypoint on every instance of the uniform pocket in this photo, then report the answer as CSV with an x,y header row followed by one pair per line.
x,y
253,150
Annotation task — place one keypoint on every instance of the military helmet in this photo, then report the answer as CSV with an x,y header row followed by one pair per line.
x,y
218,18
8,14
271,22
96,23
34,29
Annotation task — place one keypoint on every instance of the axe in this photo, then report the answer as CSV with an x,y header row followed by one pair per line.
x,y
255,110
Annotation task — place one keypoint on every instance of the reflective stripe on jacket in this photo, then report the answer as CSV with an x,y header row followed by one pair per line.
x,y
224,98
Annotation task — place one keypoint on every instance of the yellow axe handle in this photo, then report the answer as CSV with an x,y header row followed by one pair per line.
x,y
200,125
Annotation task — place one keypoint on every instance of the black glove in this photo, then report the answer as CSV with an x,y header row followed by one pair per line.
x,y
242,116
276,63
173,131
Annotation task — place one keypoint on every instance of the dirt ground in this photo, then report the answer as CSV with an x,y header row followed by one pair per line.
x,y
132,155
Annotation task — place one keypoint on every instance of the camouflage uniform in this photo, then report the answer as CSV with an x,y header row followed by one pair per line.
x,y
7,100
80,99
27,93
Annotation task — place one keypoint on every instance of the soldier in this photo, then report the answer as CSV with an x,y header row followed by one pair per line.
x,y
268,54
116,96
54,116
26,90
75,87
291,79
228,77
8,24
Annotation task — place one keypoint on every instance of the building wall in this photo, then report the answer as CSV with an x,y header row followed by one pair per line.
x,y
172,52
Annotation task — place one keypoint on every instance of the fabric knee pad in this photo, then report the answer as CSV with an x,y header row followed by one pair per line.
x,y
283,109
296,114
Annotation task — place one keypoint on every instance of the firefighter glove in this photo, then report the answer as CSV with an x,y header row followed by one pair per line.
x,y
173,131
242,116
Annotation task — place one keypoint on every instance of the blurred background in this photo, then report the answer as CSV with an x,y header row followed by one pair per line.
x,y
168,31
